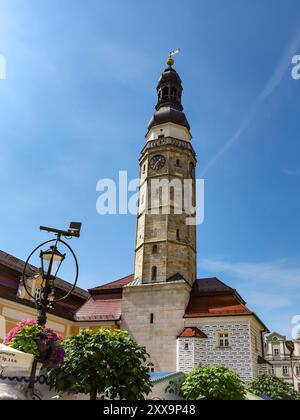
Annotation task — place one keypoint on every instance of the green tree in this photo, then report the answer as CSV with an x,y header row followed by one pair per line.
x,y
104,361
213,383
273,387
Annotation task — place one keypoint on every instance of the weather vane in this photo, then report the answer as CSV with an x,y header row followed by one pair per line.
x,y
171,61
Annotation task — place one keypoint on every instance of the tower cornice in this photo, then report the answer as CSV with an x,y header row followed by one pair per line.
x,y
168,141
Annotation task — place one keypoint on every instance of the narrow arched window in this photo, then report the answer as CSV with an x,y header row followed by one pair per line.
x,y
178,235
173,94
154,273
154,249
165,93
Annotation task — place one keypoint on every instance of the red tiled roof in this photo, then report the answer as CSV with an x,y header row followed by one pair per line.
x,y
211,297
215,306
210,285
118,284
192,332
103,307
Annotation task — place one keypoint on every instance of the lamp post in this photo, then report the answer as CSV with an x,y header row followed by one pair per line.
x,y
51,261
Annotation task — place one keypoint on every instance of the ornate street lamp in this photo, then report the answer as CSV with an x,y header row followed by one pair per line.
x,y
51,262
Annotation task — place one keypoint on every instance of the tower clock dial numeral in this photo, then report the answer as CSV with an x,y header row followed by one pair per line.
x,y
157,162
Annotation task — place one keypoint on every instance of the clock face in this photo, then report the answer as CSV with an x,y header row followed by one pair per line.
x,y
192,170
157,162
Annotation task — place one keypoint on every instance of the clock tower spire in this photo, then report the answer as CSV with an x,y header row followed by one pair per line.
x,y
166,241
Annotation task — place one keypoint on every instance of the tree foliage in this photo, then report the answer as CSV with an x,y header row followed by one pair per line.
x,y
213,383
101,362
273,387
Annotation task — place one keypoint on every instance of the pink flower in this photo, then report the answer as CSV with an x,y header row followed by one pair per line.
x,y
10,336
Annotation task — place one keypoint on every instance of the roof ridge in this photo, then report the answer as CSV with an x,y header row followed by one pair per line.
x,y
112,282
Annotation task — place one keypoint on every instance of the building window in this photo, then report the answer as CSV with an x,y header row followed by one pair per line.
x,y
276,352
178,162
151,368
285,370
152,319
224,340
154,274
173,93
178,235
165,93
298,370
272,372
154,249
144,169
186,346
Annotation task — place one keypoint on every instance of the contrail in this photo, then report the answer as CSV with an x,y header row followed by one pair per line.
x,y
270,87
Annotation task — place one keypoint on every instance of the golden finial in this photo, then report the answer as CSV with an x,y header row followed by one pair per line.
x,y
171,61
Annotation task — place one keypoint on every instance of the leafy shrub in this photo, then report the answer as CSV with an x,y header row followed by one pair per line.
x,y
103,362
273,387
213,383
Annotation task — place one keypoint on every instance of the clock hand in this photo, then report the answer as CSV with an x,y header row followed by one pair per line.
x,y
155,166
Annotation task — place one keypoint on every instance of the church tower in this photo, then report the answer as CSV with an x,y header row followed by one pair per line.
x,y
166,235
154,303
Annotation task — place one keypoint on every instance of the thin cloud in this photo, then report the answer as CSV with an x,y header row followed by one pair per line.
x,y
273,301
277,77
289,172
277,274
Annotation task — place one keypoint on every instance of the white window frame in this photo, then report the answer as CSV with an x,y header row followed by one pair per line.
x,y
224,340
285,371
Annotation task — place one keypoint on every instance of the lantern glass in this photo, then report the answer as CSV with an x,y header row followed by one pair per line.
x,y
51,261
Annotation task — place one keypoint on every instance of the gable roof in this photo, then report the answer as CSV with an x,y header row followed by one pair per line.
x,y
275,334
192,332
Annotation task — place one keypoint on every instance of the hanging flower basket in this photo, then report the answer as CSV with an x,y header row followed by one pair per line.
x,y
43,343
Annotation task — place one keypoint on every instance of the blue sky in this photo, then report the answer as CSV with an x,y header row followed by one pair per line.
x,y
80,90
